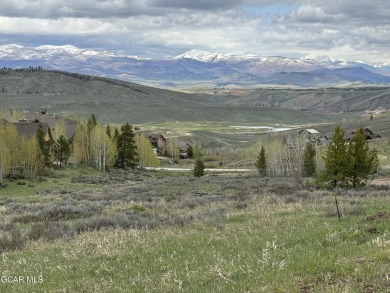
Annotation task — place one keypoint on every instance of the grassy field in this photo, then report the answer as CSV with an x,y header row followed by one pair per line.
x,y
75,230
162,232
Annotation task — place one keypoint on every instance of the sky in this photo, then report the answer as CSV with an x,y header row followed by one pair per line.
x,y
345,29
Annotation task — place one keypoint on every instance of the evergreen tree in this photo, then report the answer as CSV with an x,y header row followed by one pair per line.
x,y
62,150
190,152
336,161
199,165
261,163
309,161
44,146
108,130
93,120
363,162
127,150
116,134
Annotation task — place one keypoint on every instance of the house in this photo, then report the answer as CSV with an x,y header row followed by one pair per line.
x,y
310,135
183,146
70,125
157,140
313,136
367,133
29,129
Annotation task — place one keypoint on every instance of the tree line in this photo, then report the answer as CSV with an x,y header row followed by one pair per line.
x,y
93,144
344,165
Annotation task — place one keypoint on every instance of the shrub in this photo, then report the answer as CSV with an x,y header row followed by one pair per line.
x,y
49,230
53,212
99,222
139,208
11,240
198,168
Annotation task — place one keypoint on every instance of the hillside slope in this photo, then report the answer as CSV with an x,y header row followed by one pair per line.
x,y
336,100
117,101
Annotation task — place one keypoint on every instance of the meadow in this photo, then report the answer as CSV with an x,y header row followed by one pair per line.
x,y
79,231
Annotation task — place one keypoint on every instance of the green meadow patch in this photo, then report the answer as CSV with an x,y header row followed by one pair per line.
x,y
155,233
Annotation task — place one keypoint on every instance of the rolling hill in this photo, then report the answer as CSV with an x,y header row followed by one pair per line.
x,y
116,101
208,116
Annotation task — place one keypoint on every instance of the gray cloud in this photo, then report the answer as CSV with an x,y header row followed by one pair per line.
x,y
197,5
74,9
343,28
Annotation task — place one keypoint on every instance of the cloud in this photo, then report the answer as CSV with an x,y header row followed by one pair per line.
x,y
197,5
341,28
74,9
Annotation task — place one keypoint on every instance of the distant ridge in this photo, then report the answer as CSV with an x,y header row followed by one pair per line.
x,y
200,68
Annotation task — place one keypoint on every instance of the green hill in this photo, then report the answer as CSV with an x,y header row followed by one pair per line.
x,y
115,101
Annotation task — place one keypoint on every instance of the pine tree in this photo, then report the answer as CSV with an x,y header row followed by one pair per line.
x,y
44,146
199,165
190,152
363,162
93,120
261,163
62,150
108,130
348,165
127,150
309,161
336,161
116,134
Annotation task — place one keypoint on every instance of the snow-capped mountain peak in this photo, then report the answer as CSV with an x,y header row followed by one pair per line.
x,y
320,59
204,56
198,55
67,48
246,69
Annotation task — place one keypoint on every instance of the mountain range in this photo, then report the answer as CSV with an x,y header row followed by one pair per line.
x,y
197,68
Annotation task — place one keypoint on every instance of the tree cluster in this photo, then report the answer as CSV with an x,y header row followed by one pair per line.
x,y
19,156
344,164
93,144
348,164
105,146
284,157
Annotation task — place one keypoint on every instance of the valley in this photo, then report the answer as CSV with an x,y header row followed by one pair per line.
x,y
160,229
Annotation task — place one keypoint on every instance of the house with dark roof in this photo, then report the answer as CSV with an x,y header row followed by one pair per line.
x,y
367,133
157,140
70,125
29,129
183,146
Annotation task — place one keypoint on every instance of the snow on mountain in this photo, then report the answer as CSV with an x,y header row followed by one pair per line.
x,y
321,59
204,56
201,56
194,66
